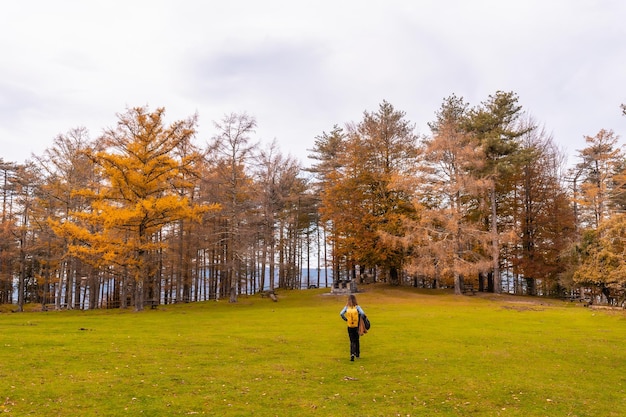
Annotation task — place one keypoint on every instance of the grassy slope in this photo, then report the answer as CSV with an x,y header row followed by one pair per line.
x,y
428,353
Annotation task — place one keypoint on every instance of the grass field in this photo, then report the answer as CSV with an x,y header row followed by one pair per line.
x,y
428,353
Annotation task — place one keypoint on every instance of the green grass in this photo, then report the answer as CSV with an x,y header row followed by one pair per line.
x,y
429,353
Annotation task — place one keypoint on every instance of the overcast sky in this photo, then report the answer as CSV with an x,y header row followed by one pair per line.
x,y
300,67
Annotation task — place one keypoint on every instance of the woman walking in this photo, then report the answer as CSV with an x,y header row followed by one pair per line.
x,y
352,313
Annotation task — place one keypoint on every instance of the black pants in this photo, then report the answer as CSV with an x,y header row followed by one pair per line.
x,y
355,346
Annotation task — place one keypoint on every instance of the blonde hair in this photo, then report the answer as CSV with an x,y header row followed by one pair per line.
x,y
352,301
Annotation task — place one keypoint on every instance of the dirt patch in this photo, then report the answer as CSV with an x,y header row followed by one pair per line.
x,y
523,307
603,307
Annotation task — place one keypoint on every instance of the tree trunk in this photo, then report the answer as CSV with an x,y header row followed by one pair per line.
x,y
21,285
497,284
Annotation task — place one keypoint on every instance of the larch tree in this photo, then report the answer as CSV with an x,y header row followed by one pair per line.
x,y
343,205
183,237
543,216
26,183
601,160
602,258
361,199
294,220
278,187
8,230
270,201
389,151
210,231
66,168
446,238
618,188
142,174
232,149
600,199
327,154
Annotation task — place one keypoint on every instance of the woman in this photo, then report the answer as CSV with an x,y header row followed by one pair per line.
x,y
351,313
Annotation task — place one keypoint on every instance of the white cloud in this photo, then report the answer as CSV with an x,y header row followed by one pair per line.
x,y
301,67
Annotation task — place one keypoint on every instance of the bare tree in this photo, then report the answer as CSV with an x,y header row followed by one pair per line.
x,y
233,148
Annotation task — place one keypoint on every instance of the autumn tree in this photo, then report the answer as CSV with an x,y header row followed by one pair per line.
x,y
343,204
26,183
294,224
599,200
327,153
8,229
359,197
142,173
541,212
210,231
232,148
390,145
446,238
66,167
183,236
279,193
600,161
602,258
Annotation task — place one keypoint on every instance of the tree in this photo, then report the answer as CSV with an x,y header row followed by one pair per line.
x,y
232,149
602,257
142,174
541,212
384,149
8,230
26,182
495,125
328,151
601,161
343,205
279,193
447,239
66,167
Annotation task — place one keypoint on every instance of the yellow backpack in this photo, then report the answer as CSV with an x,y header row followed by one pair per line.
x,y
352,315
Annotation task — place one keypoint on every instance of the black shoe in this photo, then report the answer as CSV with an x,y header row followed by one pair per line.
x,y
352,358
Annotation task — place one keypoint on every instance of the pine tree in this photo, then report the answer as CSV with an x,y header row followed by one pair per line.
x,y
495,125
